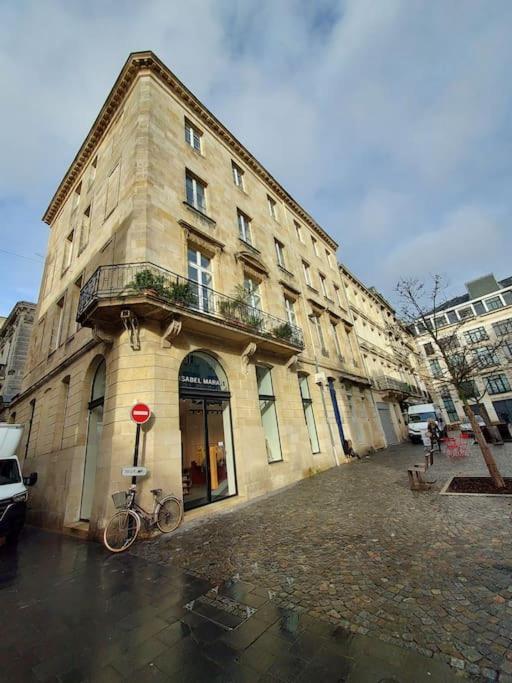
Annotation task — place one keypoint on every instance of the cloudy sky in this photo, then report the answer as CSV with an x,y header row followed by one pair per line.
x,y
390,121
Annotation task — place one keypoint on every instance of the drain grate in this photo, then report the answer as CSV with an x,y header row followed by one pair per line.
x,y
221,609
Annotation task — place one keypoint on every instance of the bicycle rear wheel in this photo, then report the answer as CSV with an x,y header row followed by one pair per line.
x,y
121,531
170,514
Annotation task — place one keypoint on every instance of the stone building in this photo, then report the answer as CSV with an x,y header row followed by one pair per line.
x,y
481,320
14,342
390,359
180,273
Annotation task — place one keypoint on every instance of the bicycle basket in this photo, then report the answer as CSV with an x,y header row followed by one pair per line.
x,y
120,499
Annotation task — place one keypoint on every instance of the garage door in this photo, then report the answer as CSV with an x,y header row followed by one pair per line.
x,y
387,424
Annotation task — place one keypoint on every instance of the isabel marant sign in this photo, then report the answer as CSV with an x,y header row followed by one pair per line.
x,y
200,381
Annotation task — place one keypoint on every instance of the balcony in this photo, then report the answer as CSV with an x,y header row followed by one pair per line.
x,y
395,386
152,292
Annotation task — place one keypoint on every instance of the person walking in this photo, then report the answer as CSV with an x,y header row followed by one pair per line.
x,y
434,434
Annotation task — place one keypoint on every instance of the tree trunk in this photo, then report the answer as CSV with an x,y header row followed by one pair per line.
x,y
484,447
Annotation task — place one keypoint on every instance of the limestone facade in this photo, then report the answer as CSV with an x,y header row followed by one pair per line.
x,y
162,202
14,341
390,358
481,321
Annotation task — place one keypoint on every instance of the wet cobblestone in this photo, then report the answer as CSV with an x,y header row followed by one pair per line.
x,y
355,547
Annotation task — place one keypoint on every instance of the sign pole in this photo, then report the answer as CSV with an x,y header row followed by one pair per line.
x,y
136,451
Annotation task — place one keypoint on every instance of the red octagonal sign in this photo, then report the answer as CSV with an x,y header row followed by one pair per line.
x,y
140,413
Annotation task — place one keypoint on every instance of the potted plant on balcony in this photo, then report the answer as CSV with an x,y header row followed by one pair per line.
x,y
181,293
283,331
147,282
239,311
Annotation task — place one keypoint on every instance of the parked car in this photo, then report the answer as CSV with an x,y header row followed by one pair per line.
x,y
466,428
418,417
13,486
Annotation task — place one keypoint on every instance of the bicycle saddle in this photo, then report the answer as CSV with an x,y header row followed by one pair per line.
x,y
156,492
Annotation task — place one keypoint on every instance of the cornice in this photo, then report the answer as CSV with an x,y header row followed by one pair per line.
x,y
139,62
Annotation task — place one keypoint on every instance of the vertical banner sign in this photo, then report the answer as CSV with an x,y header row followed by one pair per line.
x,y
140,414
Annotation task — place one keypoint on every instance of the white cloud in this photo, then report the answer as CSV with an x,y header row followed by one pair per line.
x,y
382,119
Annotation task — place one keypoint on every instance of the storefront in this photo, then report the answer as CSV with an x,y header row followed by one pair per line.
x,y
208,458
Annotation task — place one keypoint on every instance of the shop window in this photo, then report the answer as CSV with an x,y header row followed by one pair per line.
x,y
309,416
498,384
268,413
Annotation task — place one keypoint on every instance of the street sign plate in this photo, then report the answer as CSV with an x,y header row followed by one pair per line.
x,y
134,471
140,413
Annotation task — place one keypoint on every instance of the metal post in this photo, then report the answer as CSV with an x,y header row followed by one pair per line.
x,y
136,451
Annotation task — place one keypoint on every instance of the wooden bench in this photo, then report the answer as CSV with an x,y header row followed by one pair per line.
x,y
416,472
416,481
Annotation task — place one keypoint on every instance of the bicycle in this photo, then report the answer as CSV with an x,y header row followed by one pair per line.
x,y
124,526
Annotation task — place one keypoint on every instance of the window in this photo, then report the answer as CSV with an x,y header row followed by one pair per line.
x,y
435,368
507,297
85,229
329,258
57,324
317,327
199,272
307,273
498,384
485,356
272,207
476,335
309,416
429,349
92,172
68,251
280,253
314,242
74,326
465,313
268,413
448,343
289,307
337,295
452,317
479,307
253,292
503,327
238,175
421,328
469,388
298,230
440,321
196,192
244,227
76,196
192,136
323,285
450,409
337,346
494,303
507,349
112,191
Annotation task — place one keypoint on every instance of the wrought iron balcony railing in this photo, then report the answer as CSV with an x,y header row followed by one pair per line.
x,y
148,279
387,383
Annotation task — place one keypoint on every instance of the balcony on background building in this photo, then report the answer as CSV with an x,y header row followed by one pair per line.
x,y
396,387
152,292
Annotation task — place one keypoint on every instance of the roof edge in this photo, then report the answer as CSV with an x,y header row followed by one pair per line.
x,y
147,60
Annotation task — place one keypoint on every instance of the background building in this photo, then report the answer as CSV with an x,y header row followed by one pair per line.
x,y
389,356
481,318
14,342
180,273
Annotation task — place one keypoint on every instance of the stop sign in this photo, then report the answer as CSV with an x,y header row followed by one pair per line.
x,y
140,413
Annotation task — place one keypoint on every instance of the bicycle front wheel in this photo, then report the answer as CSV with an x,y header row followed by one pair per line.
x,y
170,514
121,531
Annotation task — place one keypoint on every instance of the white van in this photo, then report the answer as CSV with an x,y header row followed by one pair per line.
x,y
418,417
13,487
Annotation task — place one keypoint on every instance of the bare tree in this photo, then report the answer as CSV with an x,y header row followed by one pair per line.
x,y
422,306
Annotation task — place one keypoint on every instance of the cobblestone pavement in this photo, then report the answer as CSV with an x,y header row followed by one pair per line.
x,y
355,547
73,613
